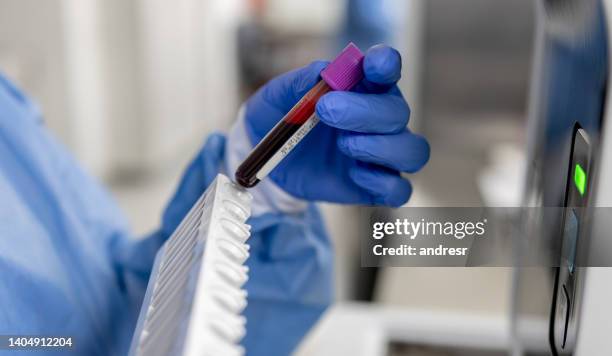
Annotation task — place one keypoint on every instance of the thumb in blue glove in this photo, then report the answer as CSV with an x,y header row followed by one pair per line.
x,y
357,152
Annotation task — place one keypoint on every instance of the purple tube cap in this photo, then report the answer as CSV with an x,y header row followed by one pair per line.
x,y
344,72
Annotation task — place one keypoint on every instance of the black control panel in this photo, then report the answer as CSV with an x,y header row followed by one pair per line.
x,y
568,286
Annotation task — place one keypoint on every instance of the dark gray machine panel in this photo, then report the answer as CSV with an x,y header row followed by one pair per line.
x,y
568,284
568,93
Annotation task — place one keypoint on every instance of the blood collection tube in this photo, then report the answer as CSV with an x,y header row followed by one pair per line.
x,y
341,74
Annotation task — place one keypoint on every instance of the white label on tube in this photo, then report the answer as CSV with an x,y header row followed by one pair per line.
x,y
288,146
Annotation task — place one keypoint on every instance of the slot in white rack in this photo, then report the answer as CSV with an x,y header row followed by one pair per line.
x,y
194,299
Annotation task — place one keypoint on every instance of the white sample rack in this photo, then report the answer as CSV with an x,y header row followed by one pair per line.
x,y
194,299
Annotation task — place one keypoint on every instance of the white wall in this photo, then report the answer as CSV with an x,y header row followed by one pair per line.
x,y
129,86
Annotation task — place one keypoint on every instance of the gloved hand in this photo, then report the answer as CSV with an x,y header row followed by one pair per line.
x,y
357,151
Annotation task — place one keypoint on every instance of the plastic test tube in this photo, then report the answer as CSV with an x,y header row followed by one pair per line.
x,y
341,74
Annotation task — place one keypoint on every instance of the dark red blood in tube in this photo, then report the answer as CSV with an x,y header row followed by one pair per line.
x,y
343,73
246,174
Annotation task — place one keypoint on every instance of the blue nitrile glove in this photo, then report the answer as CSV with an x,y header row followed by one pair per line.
x,y
356,153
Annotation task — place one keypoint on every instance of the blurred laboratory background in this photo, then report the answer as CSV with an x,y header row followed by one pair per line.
x,y
134,87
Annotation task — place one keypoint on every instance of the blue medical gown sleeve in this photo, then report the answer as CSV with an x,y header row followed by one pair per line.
x,y
291,266
69,265
291,285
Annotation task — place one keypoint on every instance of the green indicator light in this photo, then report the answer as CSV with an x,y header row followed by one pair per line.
x,y
580,179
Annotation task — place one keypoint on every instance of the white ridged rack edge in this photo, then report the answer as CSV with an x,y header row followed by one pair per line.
x,y
195,297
